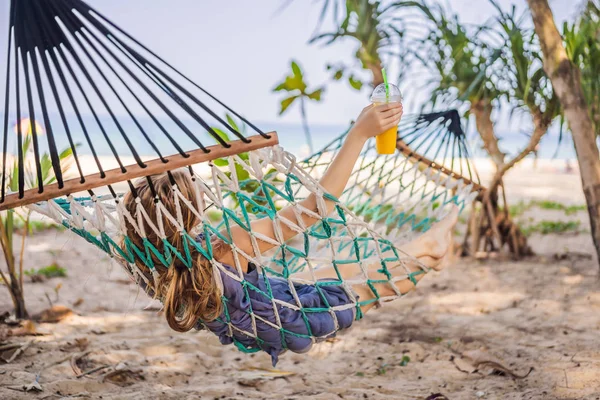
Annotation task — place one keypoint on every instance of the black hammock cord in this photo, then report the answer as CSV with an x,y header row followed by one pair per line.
x,y
55,39
75,47
435,139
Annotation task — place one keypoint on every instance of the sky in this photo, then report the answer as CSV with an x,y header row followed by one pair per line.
x,y
240,49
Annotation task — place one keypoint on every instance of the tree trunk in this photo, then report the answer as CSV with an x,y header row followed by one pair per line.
x,y
373,64
305,125
377,75
565,78
13,283
18,299
482,110
494,228
540,128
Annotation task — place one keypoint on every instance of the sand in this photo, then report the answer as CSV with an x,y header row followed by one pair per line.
x,y
472,331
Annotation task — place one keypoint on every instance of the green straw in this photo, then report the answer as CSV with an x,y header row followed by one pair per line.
x,y
387,85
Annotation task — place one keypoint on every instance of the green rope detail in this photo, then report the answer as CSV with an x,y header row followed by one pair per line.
x,y
384,202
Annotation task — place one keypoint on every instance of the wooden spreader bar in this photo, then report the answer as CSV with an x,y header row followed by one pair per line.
x,y
134,171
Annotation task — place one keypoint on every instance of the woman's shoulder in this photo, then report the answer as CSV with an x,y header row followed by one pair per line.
x,y
219,249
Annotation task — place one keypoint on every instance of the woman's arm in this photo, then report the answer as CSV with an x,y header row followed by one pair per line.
x,y
372,121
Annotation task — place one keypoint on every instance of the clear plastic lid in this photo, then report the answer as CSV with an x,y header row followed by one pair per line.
x,y
379,95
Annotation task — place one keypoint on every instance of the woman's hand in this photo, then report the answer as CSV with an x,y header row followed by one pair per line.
x,y
374,120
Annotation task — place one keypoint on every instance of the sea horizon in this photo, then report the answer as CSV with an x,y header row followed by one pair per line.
x,y
291,137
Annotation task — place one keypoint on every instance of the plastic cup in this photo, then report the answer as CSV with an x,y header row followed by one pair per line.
x,y
385,142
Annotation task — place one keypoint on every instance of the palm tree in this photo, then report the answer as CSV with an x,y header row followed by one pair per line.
x,y
566,80
373,25
528,90
461,60
529,87
296,88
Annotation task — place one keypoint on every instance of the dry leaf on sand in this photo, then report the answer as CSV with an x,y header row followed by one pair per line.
x,y
254,376
79,344
32,387
78,302
473,360
436,396
54,314
123,376
27,328
267,372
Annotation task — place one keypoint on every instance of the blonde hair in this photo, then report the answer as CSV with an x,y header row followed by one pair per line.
x,y
188,294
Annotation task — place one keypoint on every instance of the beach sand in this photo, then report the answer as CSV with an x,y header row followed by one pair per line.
x,y
472,331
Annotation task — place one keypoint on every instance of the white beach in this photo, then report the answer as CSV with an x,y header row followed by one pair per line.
x,y
540,313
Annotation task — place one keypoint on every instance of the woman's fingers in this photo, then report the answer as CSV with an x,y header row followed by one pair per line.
x,y
375,119
388,106
396,117
391,115
390,112
391,122
388,126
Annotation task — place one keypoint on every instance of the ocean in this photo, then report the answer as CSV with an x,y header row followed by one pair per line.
x,y
291,137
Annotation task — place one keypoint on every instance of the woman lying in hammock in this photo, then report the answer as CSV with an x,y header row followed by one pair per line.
x,y
192,298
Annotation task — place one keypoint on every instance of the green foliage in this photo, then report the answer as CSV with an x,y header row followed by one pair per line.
x,y
382,370
521,68
35,226
11,221
241,173
546,227
484,64
519,209
341,72
405,360
459,57
247,184
355,83
553,205
296,88
373,25
338,74
214,215
316,95
30,175
294,81
51,271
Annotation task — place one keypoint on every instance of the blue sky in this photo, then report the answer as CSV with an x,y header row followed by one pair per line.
x,y
239,49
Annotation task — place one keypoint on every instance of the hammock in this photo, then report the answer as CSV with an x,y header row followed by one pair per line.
x,y
102,94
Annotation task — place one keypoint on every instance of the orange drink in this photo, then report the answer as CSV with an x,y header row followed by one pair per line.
x,y
385,142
